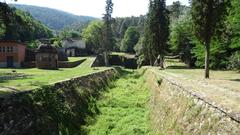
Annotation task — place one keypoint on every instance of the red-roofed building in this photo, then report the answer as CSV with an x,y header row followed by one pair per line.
x,y
12,54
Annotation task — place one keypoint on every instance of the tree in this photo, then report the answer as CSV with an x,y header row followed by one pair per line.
x,y
107,39
130,39
207,15
234,22
157,31
19,25
182,40
175,10
92,36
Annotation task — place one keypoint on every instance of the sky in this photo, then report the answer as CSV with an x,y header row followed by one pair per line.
x,y
95,8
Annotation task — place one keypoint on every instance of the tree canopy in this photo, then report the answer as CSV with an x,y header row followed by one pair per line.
x,y
207,16
130,39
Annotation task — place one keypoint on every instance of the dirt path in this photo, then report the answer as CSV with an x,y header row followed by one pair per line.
x,y
124,108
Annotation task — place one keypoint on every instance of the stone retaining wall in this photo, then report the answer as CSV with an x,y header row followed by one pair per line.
x,y
176,111
61,107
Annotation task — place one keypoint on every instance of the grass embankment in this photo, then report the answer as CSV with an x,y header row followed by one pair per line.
x,y
222,88
25,79
124,108
173,111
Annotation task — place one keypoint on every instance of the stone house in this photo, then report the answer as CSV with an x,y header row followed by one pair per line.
x,y
12,54
74,47
46,57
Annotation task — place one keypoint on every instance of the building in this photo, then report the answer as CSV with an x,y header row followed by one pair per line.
x,y
46,57
12,54
74,47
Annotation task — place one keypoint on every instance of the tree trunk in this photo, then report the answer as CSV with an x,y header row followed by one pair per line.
x,y
207,57
162,61
106,61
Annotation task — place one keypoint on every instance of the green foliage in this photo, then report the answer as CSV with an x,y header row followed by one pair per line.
x,y
219,52
120,26
130,39
33,44
208,15
156,30
55,19
19,25
92,36
234,24
182,40
234,61
70,34
107,33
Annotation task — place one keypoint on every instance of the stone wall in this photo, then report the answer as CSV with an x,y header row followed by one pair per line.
x,y
59,108
176,111
117,60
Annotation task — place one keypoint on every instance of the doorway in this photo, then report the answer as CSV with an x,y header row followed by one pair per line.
x,y
9,61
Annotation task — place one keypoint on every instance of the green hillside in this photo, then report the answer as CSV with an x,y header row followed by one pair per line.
x,y
18,25
54,19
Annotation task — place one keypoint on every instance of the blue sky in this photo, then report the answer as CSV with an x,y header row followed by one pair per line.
x,y
122,8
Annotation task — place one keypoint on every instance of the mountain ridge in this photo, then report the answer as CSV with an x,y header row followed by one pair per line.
x,y
53,18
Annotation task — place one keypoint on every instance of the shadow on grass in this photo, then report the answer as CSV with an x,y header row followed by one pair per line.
x,y
5,77
178,67
235,80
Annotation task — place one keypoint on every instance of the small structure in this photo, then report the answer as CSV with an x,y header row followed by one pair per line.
x,y
46,57
62,55
12,54
74,47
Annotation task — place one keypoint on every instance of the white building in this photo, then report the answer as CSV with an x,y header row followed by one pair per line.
x,y
74,47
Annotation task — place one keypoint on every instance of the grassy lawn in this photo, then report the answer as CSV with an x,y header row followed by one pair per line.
x,y
123,54
25,79
74,59
124,108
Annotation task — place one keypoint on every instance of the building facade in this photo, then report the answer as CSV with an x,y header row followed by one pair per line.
x,y
46,57
74,47
12,54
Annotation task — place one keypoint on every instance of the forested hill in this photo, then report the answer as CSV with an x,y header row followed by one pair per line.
x,y
54,19
19,25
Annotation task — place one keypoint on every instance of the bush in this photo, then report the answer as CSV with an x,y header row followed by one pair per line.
x,y
234,61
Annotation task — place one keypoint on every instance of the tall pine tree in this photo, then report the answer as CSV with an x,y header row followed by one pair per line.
x,y
207,15
107,39
156,31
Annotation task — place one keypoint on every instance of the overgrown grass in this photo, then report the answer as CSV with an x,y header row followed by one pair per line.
x,y
33,78
124,108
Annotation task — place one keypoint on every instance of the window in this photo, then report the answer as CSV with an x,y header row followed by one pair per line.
x,y
8,49
3,49
11,49
0,49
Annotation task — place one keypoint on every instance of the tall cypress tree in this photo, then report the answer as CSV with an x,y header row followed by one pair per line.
x,y
157,31
207,15
107,39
